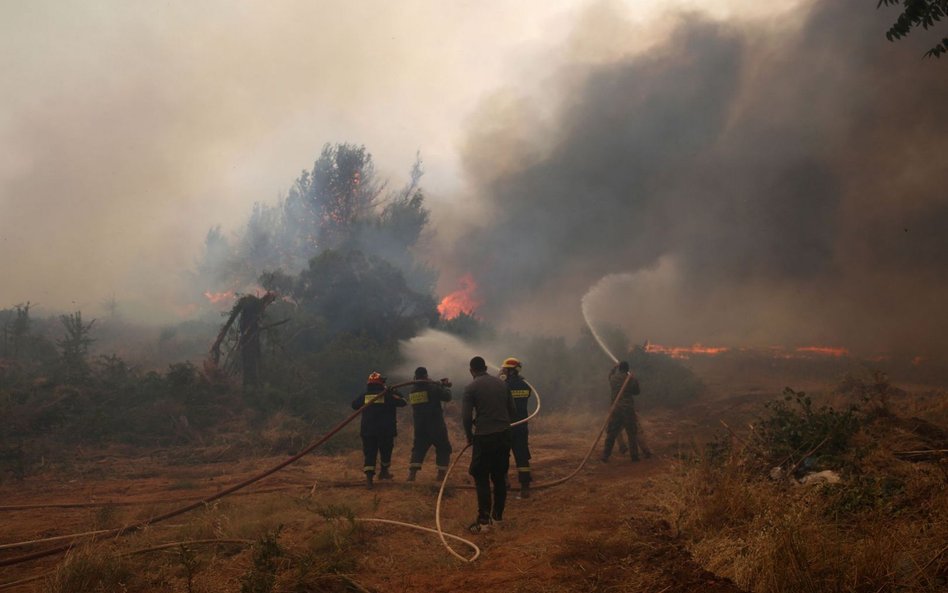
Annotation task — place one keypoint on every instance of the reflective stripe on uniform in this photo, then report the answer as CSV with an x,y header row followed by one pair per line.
x,y
520,392
370,396
418,397
414,466
523,469
369,468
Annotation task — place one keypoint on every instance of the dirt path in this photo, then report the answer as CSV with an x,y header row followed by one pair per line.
x,y
598,532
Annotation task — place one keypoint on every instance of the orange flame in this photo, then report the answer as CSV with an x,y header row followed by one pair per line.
x,y
463,300
219,297
685,351
824,351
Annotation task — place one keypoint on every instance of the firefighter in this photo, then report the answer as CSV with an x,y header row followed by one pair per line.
x,y
425,399
510,373
623,417
487,410
379,426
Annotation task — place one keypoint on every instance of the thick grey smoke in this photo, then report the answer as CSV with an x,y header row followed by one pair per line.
x,y
756,185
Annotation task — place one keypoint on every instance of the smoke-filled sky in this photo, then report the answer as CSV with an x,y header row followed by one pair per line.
x,y
779,183
759,171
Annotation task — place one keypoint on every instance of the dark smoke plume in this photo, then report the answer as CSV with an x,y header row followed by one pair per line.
x,y
759,186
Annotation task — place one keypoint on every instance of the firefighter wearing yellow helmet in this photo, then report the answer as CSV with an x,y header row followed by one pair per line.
x,y
520,390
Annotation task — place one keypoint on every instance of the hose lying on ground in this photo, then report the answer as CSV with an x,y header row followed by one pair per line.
x,y
457,458
195,542
120,531
441,534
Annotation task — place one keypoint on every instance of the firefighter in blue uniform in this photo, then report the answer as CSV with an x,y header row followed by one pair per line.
x,y
510,373
425,398
379,426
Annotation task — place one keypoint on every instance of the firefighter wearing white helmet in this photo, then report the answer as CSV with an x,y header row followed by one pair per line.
x,y
520,446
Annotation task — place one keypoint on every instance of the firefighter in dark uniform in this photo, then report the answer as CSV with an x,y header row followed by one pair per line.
x,y
379,426
623,417
510,373
425,399
487,409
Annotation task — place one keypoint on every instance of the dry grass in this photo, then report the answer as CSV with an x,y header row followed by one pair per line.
x,y
92,570
880,530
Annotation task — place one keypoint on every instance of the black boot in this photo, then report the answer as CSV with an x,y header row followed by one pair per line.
x,y
384,474
524,491
442,474
368,480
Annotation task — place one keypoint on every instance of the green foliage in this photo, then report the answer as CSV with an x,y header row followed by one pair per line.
x,y
262,574
21,343
75,345
795,429
16,331
918,13
338,205
863,493
363,294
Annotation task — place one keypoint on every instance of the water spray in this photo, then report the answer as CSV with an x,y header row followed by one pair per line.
x,y
585,308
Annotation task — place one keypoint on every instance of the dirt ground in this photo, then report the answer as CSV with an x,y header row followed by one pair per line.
x,y
601,531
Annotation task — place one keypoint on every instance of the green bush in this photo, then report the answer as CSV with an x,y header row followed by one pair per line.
x,y
794,429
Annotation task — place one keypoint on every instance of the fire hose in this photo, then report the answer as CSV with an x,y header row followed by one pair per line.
x,y
118,532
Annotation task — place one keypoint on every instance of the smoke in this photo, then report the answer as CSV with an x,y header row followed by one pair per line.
x,y
774,183
127,130
446,355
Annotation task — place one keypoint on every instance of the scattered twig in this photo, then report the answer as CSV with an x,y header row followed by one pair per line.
x,y
802,459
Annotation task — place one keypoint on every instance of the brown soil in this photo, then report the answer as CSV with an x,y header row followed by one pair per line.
x,y
601,531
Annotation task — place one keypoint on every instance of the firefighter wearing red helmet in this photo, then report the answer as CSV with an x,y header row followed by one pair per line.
x,y
379,425
520,446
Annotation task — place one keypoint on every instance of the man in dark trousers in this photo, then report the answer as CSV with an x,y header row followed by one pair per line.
x,y
623,417
379,426
486,411
520,435
425,399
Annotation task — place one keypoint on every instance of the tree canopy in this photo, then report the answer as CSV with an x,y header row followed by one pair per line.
x,y
918,13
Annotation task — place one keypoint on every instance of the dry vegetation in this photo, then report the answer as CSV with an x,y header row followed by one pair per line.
x,y
701,517
883,527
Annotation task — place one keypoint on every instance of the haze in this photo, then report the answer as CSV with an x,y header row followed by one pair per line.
x,y
127,130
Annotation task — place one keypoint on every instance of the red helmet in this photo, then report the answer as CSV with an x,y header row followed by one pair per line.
x,y
376,377
511,363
